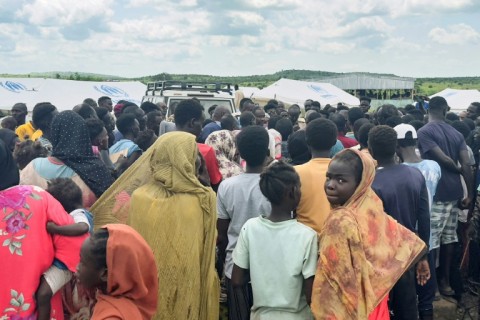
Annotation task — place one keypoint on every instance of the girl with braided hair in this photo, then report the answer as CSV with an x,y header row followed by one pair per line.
x,y
277,253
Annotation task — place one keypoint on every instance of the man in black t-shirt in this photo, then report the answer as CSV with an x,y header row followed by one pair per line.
x,y
440,142
405,197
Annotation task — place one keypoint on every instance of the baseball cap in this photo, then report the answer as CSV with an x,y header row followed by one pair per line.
x,y
403,129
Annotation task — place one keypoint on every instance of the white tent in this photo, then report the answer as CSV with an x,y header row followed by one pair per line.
x,y
64,94
459,100
296,92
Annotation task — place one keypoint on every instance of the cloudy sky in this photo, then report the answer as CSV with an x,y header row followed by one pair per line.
x,y
241,37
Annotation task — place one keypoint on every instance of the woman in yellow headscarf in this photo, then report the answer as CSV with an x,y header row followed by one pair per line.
x,y
363,251
161,197
176,215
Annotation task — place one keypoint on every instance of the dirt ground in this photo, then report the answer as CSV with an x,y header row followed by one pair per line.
x,y
449,309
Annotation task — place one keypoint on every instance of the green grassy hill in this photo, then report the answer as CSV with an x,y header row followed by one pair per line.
x,y
424,86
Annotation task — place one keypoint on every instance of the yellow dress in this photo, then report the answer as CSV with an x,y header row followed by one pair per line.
x,y
176,215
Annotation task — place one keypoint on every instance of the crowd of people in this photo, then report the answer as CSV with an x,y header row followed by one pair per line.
x,y
276,212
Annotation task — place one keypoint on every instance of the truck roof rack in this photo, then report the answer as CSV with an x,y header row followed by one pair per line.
x,y
188,86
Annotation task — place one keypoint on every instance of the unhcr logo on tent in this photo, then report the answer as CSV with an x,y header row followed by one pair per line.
x,y
111,91
324,93
13,86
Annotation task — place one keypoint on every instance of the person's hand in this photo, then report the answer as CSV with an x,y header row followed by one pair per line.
x,y
51,227
423,272
465,203
202,171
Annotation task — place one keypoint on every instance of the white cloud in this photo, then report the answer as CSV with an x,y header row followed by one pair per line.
x,y
64,12
455,34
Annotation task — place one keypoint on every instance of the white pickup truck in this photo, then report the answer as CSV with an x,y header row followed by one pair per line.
x,y
172,92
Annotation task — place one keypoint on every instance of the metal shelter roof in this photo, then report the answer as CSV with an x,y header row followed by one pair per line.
x,y
362,81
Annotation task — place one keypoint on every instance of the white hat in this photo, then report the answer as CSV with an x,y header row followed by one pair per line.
x,y
403,129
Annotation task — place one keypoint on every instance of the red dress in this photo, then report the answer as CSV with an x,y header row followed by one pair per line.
x,y
27,250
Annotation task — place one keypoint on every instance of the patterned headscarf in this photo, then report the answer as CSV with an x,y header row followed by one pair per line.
x,y
362,253
71,144
223,143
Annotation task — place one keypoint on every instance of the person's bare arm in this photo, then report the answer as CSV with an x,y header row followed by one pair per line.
x,y
240,277
308,284
443,160
467,174
222,242
71,230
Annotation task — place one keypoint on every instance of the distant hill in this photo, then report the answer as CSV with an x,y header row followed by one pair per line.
x,y
426,86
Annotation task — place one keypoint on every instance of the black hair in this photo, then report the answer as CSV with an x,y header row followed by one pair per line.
x,y
133,109
102,99
99,241
92,103
144,139
321,134
353,160
285,127
393,121
101,112
28,150
402,111
417,124
276,180
363,134
66,192
365,98
273,101
256,109
42,115
125,123
407,142
461,127
95,127
86,111
452,116
382,140
211,109
127,104
247,118
20,105
252,144
470,123
294,106
243,102
339,121
354,114
270,106
228,122
386,111
341,107
417,114
409,107
476,105
438,104
9,122
272,122
187,110
298,148
316,104
152,116
358,124
312,116
148,107
407,118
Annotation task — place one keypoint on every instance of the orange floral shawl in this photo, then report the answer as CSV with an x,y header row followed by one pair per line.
x,y
362,254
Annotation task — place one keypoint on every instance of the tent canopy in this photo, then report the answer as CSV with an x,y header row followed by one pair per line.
x,y
64,94
296,92
459,100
